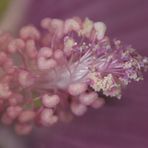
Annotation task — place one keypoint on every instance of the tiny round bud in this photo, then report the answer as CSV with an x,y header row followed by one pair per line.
x,y
58,27
87,27
13,111
29,32
58,54
45,23
50,101
47,118
98,103
15,99
77,88
26,116
15,45
71,24
25,78
88,98
100,28
78,109
45,52
44,64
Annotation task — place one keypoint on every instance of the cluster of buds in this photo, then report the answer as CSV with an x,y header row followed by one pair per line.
x,y
60,69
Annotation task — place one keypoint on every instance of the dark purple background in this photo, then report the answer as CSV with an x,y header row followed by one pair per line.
x,y
120,124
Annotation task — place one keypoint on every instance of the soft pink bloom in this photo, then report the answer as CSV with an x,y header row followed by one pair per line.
x,y
67,67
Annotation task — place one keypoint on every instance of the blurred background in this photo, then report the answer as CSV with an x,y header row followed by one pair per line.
x,y
120,123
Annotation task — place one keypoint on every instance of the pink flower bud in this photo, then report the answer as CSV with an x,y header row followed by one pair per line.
x,y
100,28
44,64
15,99
25,78
45,52
77,88
45,23
78,109
29,32
26,116
88,98
13,111
50,100
15,45
58,25
98,103
47,118
58,54
71,24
